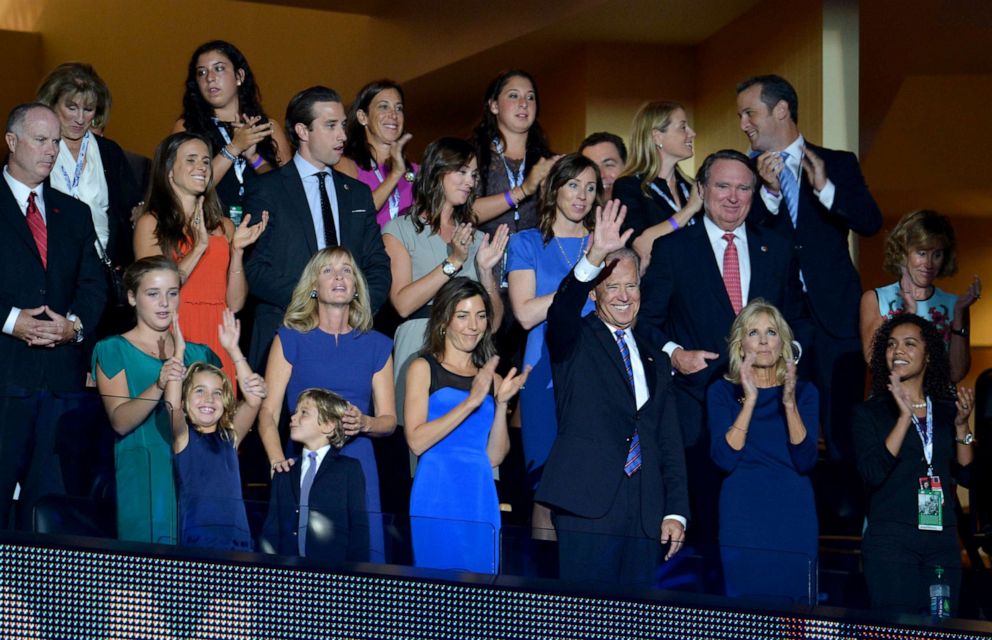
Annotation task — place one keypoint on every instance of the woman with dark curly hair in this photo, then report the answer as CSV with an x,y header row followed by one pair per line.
x,y
912,442
374,150
514,157
920,249
222,102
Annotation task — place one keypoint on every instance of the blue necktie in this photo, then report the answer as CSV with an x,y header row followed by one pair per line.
x,y
305,501
633,462
790,188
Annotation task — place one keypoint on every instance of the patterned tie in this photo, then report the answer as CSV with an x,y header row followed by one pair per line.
x,y
633,462
38,229
330,233
305,500
732,274
790,188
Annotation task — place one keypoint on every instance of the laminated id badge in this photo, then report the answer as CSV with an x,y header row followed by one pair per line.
x,y
930,502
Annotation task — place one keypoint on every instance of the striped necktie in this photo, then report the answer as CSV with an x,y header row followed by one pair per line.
x,y
790,188
633,462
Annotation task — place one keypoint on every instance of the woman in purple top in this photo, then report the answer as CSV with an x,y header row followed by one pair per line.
x,y
327,342
374,151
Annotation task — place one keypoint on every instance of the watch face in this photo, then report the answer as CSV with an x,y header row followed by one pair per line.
x,y
449,269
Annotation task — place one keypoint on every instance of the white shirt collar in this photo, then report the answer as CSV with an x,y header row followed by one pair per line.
x,y
306,168
715,233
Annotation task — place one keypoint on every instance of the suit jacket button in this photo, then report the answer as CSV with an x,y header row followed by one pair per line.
x,y
798,247
42,291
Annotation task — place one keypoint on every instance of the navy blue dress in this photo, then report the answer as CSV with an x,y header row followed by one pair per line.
x,y
454,511
208,482
768,525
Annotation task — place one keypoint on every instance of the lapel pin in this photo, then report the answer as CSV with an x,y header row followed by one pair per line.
x,y
347,188
764,248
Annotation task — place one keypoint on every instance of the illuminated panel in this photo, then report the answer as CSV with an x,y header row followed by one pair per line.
x,y
71,593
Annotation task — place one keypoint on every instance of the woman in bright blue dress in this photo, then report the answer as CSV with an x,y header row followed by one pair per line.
x,y
763,425
538,260
327,342
455,410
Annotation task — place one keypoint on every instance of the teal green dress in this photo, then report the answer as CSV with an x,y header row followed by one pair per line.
x,y
146,493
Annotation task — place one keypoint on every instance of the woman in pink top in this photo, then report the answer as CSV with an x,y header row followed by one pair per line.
x,y
374,151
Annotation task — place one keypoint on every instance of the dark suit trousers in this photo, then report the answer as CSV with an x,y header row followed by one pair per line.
x,y
28,449
612,549
837,367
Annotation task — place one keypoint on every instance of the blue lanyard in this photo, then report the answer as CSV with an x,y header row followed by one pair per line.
x,y
239,163
664,196
926,436
73,184
394,195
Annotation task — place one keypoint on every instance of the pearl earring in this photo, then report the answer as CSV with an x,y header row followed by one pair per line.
x,y
313,294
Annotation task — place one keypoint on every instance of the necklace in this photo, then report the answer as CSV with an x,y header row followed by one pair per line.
x,y
582,246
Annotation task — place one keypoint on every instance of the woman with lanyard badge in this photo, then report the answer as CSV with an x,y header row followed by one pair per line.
x,y
374,153
222,103
659,198
912,441
92,168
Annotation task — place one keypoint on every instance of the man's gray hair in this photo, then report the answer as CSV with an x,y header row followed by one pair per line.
x,y
15,121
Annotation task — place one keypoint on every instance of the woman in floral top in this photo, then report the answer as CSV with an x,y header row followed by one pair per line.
x,y
920,249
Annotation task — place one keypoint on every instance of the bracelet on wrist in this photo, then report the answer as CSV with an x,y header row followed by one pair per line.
x,y
508,196
962,332
227,154
258,162
675,223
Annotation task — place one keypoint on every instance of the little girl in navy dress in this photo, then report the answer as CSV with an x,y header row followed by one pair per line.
x,y
207,426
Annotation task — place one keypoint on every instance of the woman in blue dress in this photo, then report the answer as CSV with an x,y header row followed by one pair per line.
x,y
455,412
763,425
538,260
327,342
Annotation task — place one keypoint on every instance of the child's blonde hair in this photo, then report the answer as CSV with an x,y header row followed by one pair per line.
x,y
330,409
226,423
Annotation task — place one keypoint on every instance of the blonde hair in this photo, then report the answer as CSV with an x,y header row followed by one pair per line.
x,y
330,409
747,317
643,160
226,423
923,229
302,315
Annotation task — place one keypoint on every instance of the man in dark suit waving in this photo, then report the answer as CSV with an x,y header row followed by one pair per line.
x,y
52,293
814,197
616,475
310,207
696,284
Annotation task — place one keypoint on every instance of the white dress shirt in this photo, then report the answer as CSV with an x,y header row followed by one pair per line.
x,y
795,165
311,186
92,188
305,461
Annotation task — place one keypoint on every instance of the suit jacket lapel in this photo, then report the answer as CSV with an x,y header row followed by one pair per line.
x,y
56,230
343,192
294,480
609,343
760,264
16,221
297,203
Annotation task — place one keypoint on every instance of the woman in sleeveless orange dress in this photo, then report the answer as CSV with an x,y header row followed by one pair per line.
x,y
184,220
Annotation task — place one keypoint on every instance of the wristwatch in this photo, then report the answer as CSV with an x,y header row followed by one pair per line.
x,y
960,332
450,269
967,439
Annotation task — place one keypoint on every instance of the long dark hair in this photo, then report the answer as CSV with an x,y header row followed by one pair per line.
x,y
197,112
172,230
566,168
443,156
443,308
357,147
937,377
488,128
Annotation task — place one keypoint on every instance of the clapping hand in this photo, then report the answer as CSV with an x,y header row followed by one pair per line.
x,y
747,378
245,235
789,388
969,297
491,251
461,239
482,384
900,393
907,290
248,133
537,175
398,164
511,384
965,404
200,232
770,164
816,171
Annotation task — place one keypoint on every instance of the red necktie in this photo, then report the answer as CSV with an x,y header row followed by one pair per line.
x,y
732,274
38,228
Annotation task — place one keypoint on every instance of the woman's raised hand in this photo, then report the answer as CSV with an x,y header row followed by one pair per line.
x,y
747,378
397,163
229,331
461,240
511,384
789,388
244,235
248,133
482,384
200,231
491,251
537,175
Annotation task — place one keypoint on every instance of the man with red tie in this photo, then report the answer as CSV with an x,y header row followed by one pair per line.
x,y
697,282
52,292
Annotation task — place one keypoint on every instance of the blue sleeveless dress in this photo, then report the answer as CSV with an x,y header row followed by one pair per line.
x,y
454,511
938,308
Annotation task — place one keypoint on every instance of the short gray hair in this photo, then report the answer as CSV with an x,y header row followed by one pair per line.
x,y
15,121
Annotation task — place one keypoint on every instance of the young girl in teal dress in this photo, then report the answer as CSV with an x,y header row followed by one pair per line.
x,y
131,380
